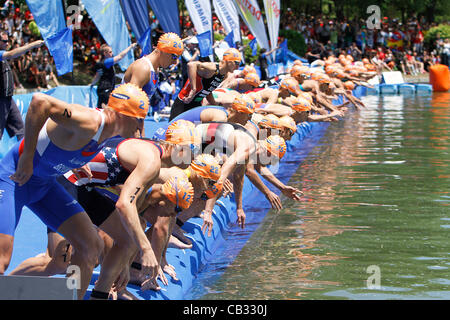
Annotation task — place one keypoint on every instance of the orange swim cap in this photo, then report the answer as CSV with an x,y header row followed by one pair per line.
x,y
323,78
288,122
370,67
248,69
252,79
341,75
349,85
206,166
130,100
353,72
183,132
290,84
301,104
270,121
170,43
232,54
306,95
179,191
298,70
243,104
255,97
275,145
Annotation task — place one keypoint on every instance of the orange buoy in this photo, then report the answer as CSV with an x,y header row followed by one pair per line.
x,y
440,77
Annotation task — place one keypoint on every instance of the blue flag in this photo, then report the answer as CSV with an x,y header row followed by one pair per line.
x,y
230,39
49,16
145,41
204,44
282,52
136,13
60,46
254,47
110,22
167,14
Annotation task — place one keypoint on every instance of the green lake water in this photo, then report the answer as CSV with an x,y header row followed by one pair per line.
x,y
374,222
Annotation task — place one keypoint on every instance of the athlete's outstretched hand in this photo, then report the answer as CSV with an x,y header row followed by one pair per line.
x,y
274,200
292,193
207,222
241,218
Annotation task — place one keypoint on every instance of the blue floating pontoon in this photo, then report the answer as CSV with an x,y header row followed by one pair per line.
x,y
406,88
388,88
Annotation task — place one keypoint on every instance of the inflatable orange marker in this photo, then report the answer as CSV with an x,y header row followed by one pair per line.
x,y
440,77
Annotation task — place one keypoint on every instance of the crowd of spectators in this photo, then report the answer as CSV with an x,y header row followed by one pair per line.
x,y
36,68
399,46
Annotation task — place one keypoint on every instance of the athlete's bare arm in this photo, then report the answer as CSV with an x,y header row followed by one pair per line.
x,y
138,73
71,126
143,175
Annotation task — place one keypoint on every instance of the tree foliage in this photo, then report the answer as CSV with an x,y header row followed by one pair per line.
x,y
430,36
295,41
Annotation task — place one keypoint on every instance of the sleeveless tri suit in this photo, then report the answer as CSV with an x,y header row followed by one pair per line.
x,y
192,115
41,193
107,171
204,88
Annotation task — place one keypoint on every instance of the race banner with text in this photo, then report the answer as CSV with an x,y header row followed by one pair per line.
x,y
272,8
110,21
252,16
200,13
228,16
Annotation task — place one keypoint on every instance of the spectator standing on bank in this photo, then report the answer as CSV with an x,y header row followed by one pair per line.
x,y
105,75
190,53
418,40
333,36
446,52
10,117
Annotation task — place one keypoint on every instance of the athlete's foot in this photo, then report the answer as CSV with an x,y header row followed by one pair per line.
x,y
174,242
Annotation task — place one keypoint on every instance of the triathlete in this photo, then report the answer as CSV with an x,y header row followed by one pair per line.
x,y
204,78
59,137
